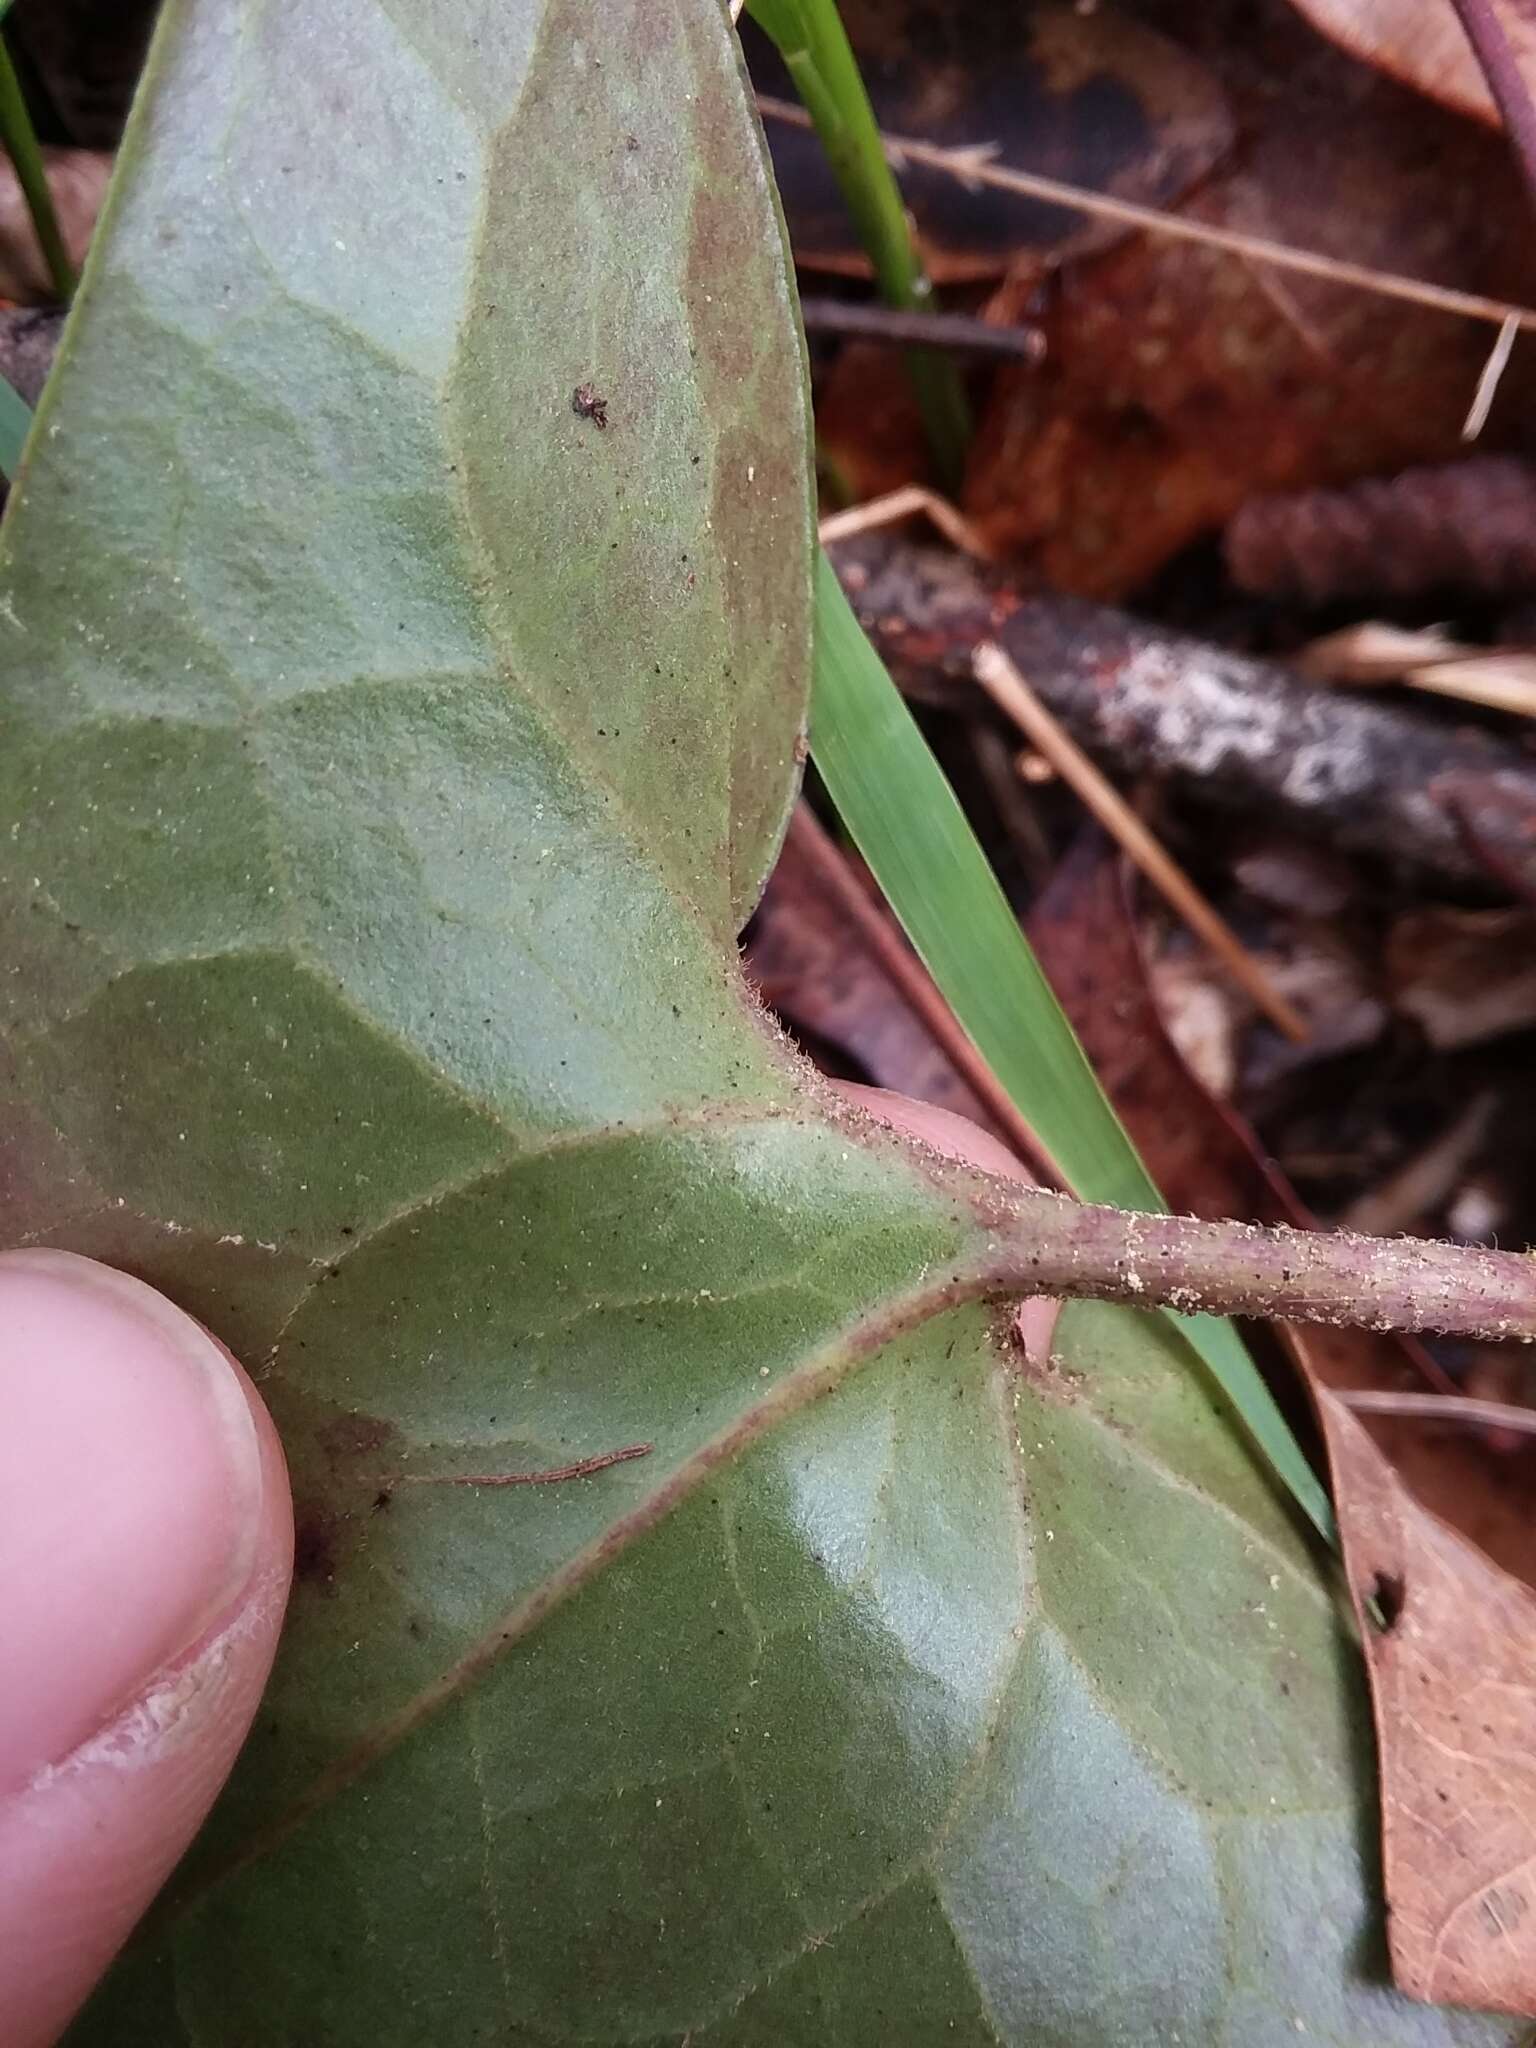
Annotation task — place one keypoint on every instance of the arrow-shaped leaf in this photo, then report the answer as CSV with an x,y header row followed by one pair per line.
x,y
405,640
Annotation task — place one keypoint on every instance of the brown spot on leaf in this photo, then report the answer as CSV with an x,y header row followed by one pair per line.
x,y
317,1546
347,1438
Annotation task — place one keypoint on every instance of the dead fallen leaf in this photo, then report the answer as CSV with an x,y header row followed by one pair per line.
x,y
1180,380
1464,976
29,335
1423,43
814,969
1202,1013
1453,1689
78,181
1477,1488
1425,1182
1082,94
1199,1151
869,433
86,56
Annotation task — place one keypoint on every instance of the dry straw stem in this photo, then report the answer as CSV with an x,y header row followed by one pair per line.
x,y
1462,1410
973,165
1004,684
905,503
1425,658
1488,382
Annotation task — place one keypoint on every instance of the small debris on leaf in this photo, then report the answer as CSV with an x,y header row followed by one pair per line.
x,y
587,405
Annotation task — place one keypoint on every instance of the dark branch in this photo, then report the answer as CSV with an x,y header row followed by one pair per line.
x,y
956,332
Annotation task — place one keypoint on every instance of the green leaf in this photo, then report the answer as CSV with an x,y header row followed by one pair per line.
x,y
15,425
380,789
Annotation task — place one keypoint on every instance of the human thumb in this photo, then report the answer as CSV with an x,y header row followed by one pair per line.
x,y
146,1542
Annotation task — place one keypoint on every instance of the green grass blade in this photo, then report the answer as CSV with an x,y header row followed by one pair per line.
x,y
905,818
906,821
15,425
20,139
810,37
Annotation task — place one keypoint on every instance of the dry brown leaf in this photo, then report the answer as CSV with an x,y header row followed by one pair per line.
x,y
86,56
1453,1689
1421,1185
78,181
29,336
818,974
1202,1014
1180,380
1422,43
1088,95
1463,976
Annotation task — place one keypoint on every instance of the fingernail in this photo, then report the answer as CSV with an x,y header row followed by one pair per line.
x,y
130,1483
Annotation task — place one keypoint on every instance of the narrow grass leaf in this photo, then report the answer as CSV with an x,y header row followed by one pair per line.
x,y
813,43
21,144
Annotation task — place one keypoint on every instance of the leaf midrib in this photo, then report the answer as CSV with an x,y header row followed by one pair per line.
x,y
828,1364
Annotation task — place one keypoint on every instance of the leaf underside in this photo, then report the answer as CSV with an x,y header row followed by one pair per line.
x,y
389,753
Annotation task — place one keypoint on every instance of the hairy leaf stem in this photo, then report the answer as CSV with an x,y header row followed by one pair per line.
x,y
1050,1244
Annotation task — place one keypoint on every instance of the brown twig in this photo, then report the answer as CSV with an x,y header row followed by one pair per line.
x,y
582,1469
1001,679
1367,775
972,166
959,333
